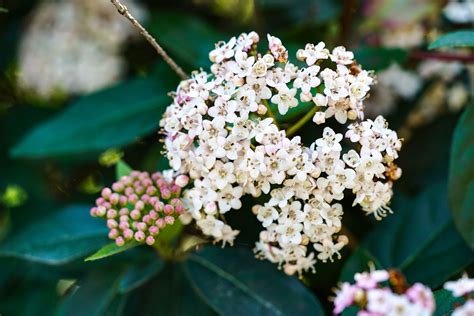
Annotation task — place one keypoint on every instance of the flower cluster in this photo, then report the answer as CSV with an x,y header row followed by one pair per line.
x,y
464,287
138,206
73,47
220,130
379,293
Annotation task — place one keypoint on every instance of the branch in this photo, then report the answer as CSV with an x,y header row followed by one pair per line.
x,y
442,56
124,11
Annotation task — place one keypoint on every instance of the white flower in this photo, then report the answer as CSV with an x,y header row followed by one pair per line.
x,y
465,310
222,174
229,198
223,51
267,214
211,226
341,56
307,79
289,232
460,287
311,54
330,141
242,64
285,99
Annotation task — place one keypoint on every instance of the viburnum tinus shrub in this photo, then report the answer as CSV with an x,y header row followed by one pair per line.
x,y
222,134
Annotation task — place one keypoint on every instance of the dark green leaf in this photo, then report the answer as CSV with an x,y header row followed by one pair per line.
x,y
420,238
58,238
461,175
138,274
122,169
170,294
446,302
379,58
110,250
110,118
185,36
233,282
94,294
463,38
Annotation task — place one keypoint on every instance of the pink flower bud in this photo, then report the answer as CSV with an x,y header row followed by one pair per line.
x,y
147,219
106,204
124,225
161,182
134,174
113,233
99,201
129,191
175,189
169,209
145,198
114,198
153,200
124,211
123,200
151,191
119,241
117,187
150,240
111,213
141,226
165,193
101,211
93,212
182,180
139,205
140,190
147,182
128,234
160,223
123,218
153,230
169,219
112,223
153,215
179,209
139,236
135,214
159,206
133,198
106,192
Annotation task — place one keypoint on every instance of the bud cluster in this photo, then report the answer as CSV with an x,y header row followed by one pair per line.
x,y
140,205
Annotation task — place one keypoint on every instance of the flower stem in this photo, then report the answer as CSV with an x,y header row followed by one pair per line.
x,y
302,121
124,11
269,111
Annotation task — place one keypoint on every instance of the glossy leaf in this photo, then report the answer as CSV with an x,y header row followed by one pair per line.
x,y
420,238
94,295
397,244
58,238
232,281
139,273
170,293
110,118
111,249
461,175
464,38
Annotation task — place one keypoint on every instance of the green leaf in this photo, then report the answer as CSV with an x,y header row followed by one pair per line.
x,y
58,238
111,249
233,282
138,274
379,58
446,302
464,38
358,262
122,169
110,118
461,175
420,238
94,295
170,294
191,42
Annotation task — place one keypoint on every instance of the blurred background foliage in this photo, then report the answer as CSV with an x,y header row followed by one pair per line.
x,y
64,125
